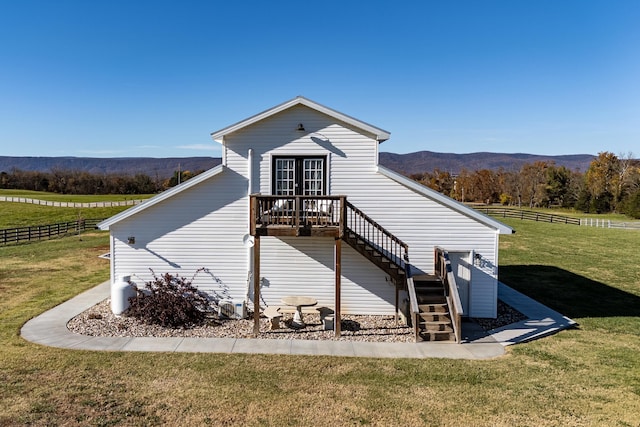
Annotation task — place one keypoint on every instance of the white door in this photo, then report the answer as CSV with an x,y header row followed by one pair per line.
x,y
461,267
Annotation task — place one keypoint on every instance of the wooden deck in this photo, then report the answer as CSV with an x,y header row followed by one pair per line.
x,y
316,216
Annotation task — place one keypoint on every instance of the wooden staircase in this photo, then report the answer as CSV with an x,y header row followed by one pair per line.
x,y
434,318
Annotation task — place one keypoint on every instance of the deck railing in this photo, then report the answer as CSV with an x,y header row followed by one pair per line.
x,y
443,270
296,211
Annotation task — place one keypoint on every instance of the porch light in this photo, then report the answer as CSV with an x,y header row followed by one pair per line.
x,y
131,240
300,127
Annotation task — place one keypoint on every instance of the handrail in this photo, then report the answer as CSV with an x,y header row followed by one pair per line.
x,y
377,236
413,308
443,269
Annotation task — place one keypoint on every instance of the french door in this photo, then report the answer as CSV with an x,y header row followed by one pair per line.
x,y
303,176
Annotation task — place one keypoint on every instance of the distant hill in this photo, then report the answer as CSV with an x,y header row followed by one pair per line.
x,y
427,161
160,167
422,161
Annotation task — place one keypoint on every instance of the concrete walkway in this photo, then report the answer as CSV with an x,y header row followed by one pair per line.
x,y
50,329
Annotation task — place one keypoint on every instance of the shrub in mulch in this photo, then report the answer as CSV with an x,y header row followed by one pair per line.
x,y
169,301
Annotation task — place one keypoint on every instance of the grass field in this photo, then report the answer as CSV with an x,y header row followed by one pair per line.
x,y
588,376
25,214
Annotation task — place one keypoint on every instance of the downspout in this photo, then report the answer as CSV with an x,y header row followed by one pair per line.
x,y
249,238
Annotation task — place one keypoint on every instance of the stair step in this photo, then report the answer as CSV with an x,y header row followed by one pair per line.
x,y
426,278
430,290
436,326
431,299
437,336
433,308
435,317
421,284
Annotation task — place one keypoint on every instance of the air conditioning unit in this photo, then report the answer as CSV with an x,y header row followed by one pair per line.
x,y
232,309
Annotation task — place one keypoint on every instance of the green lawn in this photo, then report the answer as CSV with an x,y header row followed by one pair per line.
x,y
25,214
588,376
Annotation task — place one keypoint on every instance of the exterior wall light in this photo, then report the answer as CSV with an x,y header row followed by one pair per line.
x,y
300,127
131,240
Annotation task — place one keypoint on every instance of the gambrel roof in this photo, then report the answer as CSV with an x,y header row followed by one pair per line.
x,y
380,134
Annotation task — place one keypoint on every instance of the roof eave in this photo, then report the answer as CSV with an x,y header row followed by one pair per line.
x,y
380,134
447,201
104,225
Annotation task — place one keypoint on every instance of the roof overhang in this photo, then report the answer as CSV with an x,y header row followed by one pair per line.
x,y
380,134
104,225
446,201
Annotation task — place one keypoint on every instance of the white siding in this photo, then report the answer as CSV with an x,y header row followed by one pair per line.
x,y
203,226
305,266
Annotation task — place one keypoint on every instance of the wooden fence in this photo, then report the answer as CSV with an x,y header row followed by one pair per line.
x,y
498,211
69,204
43,232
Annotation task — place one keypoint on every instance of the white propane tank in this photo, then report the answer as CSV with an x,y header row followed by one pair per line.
x,y
121,291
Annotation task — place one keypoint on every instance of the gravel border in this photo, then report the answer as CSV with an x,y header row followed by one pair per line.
x,y
100,321
506,316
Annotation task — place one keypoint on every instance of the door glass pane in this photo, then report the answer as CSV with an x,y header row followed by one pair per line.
x,y
313,177
285,177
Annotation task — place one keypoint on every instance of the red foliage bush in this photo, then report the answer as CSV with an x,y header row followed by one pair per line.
x,y
169,301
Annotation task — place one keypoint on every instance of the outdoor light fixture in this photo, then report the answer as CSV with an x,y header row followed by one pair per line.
x,y
131,240
477,259
300,127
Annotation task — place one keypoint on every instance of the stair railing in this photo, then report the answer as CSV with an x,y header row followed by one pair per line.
x,y
444,271
394,249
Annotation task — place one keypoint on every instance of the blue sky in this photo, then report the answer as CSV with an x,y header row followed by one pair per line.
x,y
155,78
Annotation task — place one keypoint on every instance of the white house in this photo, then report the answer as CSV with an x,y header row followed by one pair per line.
x,y
295,182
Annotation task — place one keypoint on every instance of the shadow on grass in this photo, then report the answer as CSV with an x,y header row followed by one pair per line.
x,y
568,293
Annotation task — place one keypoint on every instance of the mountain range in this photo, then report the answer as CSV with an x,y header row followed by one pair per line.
x,y
419,162
427,161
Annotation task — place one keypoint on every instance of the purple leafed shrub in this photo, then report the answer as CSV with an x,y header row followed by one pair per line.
x,y
169,301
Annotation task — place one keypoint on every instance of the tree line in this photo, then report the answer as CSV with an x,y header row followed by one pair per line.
x,y
65,181
610,184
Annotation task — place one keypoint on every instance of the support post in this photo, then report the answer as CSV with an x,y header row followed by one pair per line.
x,y
395,285
338,275
256,286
